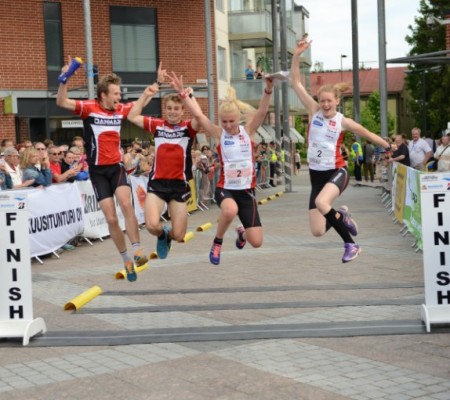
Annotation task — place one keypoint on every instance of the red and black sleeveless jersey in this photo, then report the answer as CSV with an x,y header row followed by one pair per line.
x,y
102,131
173,144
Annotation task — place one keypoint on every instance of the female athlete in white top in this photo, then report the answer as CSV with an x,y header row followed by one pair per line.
x,y
235,190
327,168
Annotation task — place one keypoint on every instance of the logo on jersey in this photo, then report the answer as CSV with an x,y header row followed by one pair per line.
x,y
108,121
317,123
228,143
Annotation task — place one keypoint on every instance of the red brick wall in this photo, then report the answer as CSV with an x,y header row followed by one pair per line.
x,y
447,33
181,36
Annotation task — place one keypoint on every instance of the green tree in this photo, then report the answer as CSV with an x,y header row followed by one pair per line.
x,y
370,115
429,83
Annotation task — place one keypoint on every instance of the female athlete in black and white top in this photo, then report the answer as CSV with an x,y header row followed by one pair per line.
x,y
328,173
235,190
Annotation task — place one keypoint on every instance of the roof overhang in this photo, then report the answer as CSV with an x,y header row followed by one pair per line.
x,y
436,57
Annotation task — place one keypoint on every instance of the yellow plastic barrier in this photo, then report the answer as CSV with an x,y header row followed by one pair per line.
x,y
271,197
153,255
77,302
204,227
189,235
122,274
263,201
279,194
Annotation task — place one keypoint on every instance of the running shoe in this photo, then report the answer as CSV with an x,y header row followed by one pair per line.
x,y
240,241
163,245
139,258
348,221
131,272
68,247
214,254
352,251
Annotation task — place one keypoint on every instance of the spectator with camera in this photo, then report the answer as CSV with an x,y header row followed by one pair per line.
x,y
133,159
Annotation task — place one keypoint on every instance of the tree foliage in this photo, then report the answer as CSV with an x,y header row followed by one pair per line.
x,y
371,115
429,84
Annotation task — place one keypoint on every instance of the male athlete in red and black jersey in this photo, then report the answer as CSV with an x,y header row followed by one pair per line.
x,y
102,119
172,167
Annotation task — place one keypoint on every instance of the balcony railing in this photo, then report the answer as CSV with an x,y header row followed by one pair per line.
x,y
256,24
250,91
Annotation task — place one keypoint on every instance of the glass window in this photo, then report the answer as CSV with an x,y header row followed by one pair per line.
x,y
131,51
133,39
53,36
219,5
221,64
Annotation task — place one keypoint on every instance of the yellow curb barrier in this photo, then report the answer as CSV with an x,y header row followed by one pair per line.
x,y
279,194
204,227
77,302
263,201
189,235
123,274
271,197
153,255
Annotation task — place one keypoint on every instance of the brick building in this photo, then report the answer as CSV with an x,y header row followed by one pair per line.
x,y
37,36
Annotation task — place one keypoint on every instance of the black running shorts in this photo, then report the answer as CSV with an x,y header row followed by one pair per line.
x,y
170,189
106,179
320,178
246,202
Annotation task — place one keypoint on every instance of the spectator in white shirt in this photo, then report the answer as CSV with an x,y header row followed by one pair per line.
x,y
419,150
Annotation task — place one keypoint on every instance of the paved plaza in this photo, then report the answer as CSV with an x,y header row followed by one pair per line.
x,y
286,321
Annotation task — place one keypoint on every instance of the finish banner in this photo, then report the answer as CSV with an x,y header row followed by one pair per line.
x,y
55,216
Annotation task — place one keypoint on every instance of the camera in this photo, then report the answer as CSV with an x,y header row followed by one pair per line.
x,y
138,150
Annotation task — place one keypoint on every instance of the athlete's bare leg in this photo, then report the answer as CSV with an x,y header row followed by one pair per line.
x,y
154,207
109,210
228,211
179,218
123,195
324,202
254,236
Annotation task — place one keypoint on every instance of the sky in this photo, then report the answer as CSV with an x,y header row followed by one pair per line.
x,y
331,31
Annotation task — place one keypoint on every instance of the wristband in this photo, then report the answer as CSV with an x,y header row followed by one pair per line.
x,y
191,95
267,92
389,148
158,83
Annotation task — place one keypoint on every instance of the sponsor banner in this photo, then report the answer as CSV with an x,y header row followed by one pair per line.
x,y
139,190
55,216
95,225
411,212
399,190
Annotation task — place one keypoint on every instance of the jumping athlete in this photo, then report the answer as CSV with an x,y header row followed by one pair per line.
x,y
235,190
172,166
102,119
327,168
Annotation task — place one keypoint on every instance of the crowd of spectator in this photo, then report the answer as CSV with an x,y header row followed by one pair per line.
x,y
423,154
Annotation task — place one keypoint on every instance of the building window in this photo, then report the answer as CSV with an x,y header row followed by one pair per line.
x,y
219,5
53,41
134,42
221,63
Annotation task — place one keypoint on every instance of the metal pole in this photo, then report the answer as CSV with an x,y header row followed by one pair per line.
x,y
355,52
382,67
284,94
276,94
89,57
209,58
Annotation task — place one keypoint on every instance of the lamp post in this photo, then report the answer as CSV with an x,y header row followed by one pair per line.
x,y
342,56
